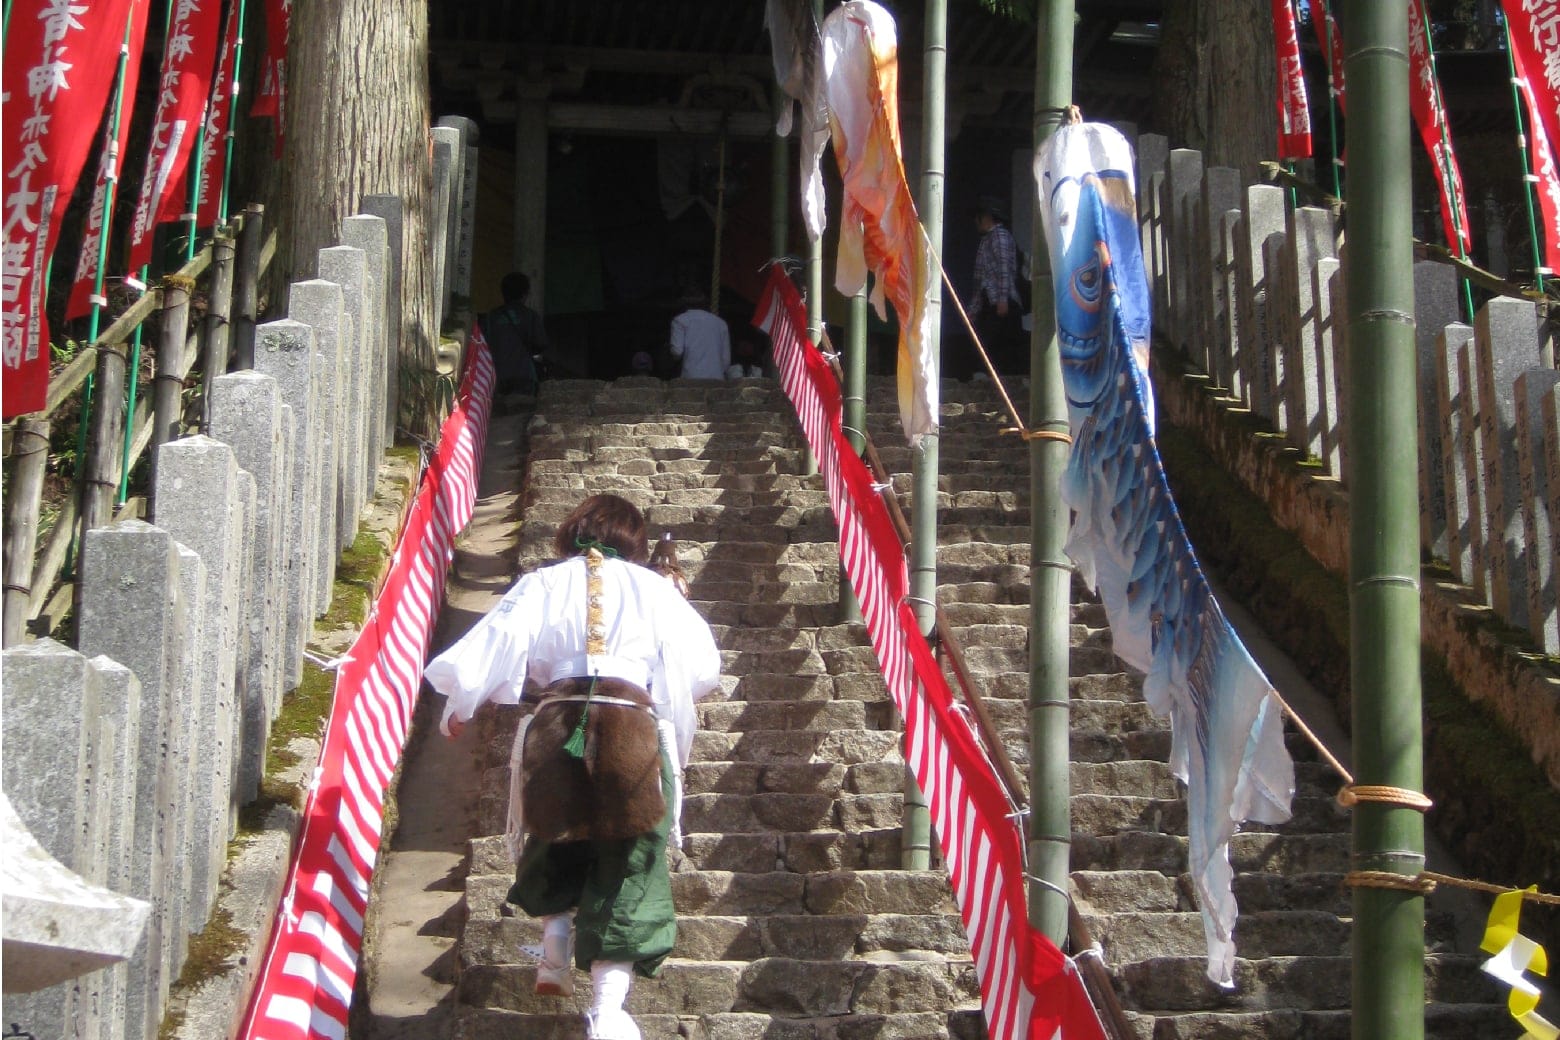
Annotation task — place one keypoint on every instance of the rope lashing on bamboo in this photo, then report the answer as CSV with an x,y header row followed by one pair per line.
x,y
1042,435
1351,794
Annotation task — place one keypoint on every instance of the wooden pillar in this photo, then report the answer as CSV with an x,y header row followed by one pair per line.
x,y
31,452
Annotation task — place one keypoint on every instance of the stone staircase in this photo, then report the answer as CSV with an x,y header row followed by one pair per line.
x,y
794,919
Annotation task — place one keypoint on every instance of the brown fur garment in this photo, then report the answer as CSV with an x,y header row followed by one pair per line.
x,y
614,791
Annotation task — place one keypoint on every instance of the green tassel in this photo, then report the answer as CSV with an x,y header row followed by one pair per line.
x,y
575,745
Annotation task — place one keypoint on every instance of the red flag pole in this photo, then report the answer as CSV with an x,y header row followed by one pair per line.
x,y
1527,167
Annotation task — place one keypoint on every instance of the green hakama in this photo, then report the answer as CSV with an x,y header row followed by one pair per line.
x,y
622,891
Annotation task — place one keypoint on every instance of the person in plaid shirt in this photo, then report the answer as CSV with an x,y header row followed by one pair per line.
x,y
995,307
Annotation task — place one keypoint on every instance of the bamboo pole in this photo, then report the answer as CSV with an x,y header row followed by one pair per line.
x,y
218,314
246,286
917,842
168,383
1050,575
854,417
1388,933
30,448
100,478
233,115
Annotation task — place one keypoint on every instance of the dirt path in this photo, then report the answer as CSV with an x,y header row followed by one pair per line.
x,y
409,959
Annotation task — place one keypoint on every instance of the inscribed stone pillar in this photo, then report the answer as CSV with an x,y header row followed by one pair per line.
x,y
530,193
1536,471
200,503
184,718
1311,237
1262,216
1326,382
120,708
1227,328
1452,434
1153,153
368,233
1155,229
1220,194
1277,315
58,774
248,489
1183,180
1473,467
1435,307
318,303
284,350
1549,419
133,610
1338,305
446,197
388,209
348,268
1506,342
466,227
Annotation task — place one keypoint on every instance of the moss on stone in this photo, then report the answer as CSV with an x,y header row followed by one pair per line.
x,y
213,950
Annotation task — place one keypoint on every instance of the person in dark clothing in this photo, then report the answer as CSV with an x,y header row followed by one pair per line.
x,y
996,306
516,337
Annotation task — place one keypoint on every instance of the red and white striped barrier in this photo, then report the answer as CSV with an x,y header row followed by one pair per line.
x,y
1029,989
305,984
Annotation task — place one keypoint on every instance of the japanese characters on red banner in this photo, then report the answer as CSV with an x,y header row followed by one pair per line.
x,y
1546,175
219,118
134,43
58,70
183,88
1294,111
1534,26
1424,98
272,97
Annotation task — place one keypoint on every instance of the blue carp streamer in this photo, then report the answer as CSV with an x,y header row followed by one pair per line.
x,y
1127,539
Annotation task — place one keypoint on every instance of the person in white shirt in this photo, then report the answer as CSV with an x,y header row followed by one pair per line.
x,y
701,339
598,615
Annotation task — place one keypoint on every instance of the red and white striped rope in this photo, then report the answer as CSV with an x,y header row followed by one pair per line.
x,y
1028,988
305,986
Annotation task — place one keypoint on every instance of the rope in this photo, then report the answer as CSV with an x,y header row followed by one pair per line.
x,y
1040,435
1386,879
1543,898
1316,742
1352,794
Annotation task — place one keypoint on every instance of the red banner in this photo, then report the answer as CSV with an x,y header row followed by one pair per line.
x,y
1545,175
1331,42
1430,116
1534,27
183,87
114,143
305,983
58,72
1028,988
1294,110
219,117
272,98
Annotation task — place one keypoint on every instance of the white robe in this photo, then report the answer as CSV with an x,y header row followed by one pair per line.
x,y
654,639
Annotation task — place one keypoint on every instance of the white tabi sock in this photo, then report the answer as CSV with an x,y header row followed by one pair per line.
x,y
607,1020
557,933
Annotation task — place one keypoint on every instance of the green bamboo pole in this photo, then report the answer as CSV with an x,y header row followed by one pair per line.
x,y
1527,168
1050,580
854,417
814,286
1388,934
916,847
238,77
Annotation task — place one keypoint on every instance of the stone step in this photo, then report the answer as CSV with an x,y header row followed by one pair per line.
x,y
1442,1022
793,777
757,813
1128,937
1303,983
846,747
797,852
843,937
1253,851
642,492
773,985
1106,814
473,1024
1134,891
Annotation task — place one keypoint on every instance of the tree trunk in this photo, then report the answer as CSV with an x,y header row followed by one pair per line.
x,y
1214,81
357,124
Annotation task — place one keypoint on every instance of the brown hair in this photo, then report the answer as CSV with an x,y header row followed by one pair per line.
x,y
612,522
